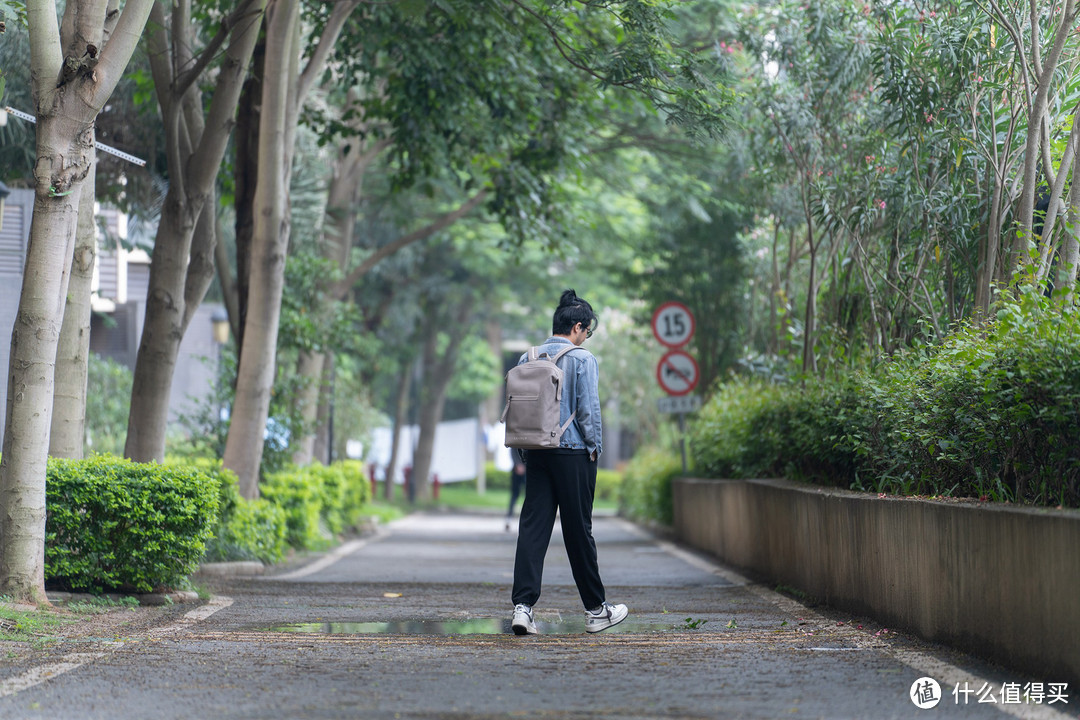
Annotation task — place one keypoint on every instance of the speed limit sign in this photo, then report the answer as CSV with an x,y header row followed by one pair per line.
x,y
673,324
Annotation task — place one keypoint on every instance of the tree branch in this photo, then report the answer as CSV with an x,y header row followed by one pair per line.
x,y
334,25
563,47
341,289
247,11
115,56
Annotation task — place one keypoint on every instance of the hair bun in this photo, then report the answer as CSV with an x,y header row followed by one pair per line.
x,y
569,298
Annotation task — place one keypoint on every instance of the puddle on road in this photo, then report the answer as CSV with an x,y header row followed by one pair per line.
x,y
475,626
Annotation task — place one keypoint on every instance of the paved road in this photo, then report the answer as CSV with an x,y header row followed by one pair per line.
x,y
413,623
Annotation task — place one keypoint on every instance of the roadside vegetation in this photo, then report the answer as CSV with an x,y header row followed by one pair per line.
x,y
991,413
118,526
909,249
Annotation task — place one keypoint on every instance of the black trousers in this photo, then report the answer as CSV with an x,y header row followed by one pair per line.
x,y
563,481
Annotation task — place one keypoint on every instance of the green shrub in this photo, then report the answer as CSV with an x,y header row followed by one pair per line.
x,y
115,524
608,484
300,497
727,439
245,529
331,484
646,486
344,491
754,429
255,530
992,412
319,501
357,492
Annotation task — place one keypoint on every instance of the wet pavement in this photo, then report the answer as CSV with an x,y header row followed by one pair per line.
x,y
414,623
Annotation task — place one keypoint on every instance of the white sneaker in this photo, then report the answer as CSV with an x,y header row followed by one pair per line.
x,y
523,621
604,617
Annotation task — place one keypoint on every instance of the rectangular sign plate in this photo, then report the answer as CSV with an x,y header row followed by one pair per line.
x,y
679,404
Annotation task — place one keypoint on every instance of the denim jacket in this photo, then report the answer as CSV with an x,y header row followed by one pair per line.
x,y
581,383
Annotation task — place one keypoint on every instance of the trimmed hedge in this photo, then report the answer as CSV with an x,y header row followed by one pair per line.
x,y
318,501
993,412
751,429
246,529
112,524
115,524
646,487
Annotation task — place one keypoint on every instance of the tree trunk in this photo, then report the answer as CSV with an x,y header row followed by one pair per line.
x,y
401,412
34,340
1033,146
159,346
772,344
246,166
180,271
68,433
432,398
175,266
309,367
1049,243
809,358
67,437
201,266
70,88
284,90
324,441
438,371
1070,256
227,281
255,376
490,408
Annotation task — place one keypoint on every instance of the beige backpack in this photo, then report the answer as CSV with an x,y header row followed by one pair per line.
x,y
533,400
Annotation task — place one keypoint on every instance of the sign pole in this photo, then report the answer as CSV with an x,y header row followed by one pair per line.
x,y
673,325
682,439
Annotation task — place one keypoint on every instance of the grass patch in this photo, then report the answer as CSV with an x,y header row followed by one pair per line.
x,y
101,605
384,511
35,626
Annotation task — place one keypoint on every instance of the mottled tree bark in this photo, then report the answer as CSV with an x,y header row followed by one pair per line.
x,y
72,82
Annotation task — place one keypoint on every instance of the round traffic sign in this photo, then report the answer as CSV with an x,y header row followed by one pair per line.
x,y
673,324
677,373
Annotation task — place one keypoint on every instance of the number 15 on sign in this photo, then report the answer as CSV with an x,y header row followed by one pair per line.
x,y
673,324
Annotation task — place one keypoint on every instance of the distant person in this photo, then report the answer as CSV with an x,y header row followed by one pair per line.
x,y
517,484
563,479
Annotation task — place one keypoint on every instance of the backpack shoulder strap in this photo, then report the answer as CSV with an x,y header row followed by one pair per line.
x,y
563,352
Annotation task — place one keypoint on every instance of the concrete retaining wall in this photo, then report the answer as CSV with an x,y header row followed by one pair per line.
x,y
1001,582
